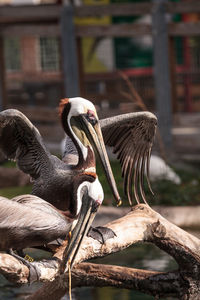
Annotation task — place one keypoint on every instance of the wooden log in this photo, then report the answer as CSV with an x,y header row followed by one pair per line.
x,y
142,224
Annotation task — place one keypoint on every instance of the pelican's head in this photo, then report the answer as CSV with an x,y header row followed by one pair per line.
x,y
80,121
80,117
90,196
94,191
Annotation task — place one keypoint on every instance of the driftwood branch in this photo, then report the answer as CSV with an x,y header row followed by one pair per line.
x,y
142,224
88,274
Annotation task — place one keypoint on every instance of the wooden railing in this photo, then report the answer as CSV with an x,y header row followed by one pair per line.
x,y
44,19
56,20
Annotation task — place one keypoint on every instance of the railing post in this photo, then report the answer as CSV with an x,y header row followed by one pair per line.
x,y
162,71
2,76
69,53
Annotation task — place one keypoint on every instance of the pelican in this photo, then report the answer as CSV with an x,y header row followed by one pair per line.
x,y
54,180
130,137
57,181
62,183
29,221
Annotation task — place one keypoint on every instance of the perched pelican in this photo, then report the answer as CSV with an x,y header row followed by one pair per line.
x,y
65,183
130,135
54,180
29,221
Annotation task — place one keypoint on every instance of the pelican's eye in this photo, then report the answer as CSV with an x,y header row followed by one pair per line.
x,y
90,116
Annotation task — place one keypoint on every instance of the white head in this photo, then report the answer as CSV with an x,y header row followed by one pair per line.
x,y
81,118
95,191
80,106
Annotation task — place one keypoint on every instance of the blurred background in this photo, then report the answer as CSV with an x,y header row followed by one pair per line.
x,y
124,56
94,51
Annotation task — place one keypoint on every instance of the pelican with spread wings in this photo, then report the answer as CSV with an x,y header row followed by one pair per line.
x,y
56,181
62,183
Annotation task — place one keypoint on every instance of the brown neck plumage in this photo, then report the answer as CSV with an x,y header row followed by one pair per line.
x,y
86,176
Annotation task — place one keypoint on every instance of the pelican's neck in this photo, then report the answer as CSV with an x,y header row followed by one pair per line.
x,y
86,157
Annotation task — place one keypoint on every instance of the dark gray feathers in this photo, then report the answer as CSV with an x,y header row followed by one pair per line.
x,y
21,141
131,136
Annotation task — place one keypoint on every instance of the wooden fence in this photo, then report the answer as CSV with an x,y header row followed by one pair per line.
x,y
56,20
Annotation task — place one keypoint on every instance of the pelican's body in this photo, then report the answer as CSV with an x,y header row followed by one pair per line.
x,y
59,187
27,221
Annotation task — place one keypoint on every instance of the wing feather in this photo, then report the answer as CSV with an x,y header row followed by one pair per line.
x,y
21,141
131,137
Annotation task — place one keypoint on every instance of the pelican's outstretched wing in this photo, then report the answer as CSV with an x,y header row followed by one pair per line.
x,y
21,141
131,136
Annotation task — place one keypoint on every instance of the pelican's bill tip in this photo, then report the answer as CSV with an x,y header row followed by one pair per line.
x,y
119,202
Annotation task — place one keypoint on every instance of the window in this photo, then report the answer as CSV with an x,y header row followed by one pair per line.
x,y
49,54
12,54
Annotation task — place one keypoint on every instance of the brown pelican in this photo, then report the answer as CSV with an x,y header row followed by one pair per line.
x,y
29,221
62,184
130,135
54,180
58,182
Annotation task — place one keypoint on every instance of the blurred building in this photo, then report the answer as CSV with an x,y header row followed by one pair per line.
x,y
34,74
25,2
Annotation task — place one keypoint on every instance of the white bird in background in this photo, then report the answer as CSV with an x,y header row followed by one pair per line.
x,y
158,169
25,2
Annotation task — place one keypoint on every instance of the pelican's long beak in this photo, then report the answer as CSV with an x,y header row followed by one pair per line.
x,y
86,216
95,137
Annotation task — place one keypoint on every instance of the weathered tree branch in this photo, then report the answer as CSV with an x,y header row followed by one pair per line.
x,y
88,274
142,224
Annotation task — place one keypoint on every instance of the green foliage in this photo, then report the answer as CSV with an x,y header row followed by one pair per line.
x,y
15,191
168,193
9,164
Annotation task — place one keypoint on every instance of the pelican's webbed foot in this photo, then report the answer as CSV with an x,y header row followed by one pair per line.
x,y
101,234
34,272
